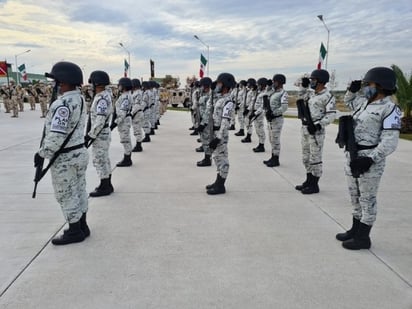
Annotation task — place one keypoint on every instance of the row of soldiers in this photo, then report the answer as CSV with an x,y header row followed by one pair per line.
x,y
15,96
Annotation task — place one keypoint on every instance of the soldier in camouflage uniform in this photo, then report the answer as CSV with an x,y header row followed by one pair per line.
x,y
146,111
251,98
137,114
42,92
222,113
277,99
20,97
256,114
194,109
204,113
321,112
376,126
14,101
98,131
234,95
65,122
123,119
31,97
5,94
240,105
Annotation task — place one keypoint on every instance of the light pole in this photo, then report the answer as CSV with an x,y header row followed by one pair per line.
x,y
207,46
128,53
17,68
327,43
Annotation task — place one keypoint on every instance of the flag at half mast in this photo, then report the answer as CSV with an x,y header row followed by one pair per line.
x,y
203,62
322,55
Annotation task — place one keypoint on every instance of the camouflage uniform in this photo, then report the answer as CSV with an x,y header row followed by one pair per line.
x,y
204,112
375,124
152,108
234,94
123,120
195,107
146,111
20,98
6,99
250,102
68,172
138,115
241,98
100,113
15,102
222,113
259,120
43,99
323,112
278,104
31,96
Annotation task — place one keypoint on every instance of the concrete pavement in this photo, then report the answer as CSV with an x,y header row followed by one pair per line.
x,y
161,242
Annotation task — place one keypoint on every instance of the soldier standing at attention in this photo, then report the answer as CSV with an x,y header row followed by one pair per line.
x,y
203,127
137,114
123,121
319,111
98,131
63,137
146,112
240,104
256,114
222,114
376,125
249,106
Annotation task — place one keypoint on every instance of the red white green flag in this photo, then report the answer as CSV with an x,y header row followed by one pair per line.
x,y
203,62
322,55
22,70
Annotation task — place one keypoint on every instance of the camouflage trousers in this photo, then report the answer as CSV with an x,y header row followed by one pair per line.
x,y
32,101
69,183
15,106
100,154
124,133
157,110
221,158
43,107
241,118
7,103
153,116
363,190
274,130
248,124
205,139
260,128
146,121
233,119
312,148
21,105
137,123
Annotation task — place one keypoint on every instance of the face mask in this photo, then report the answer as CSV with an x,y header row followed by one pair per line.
x,y
369,91
313,84
218,89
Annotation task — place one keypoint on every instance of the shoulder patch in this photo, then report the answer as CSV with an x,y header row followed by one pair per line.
x,y
124,106
60,120
101,107
227,110
393,120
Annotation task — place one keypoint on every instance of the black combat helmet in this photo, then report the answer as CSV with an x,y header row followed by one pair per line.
x,y
136,83
66,72
99,78
322,76
384,77
243,82
251,82
126,83
280,78
269,82
227,80
206,82
262,81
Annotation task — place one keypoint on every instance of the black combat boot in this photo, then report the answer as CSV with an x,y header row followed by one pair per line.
x,y
259,148
138,147
155,127
360,240
273,161
205,162
305,183
195,132
247,139
200,149
240,133
312,187
199,140
84,227
192,128
232,127
73,234
110,184
219,187
146,138
158,122
212,184
127,161
152,131
349,234
103,189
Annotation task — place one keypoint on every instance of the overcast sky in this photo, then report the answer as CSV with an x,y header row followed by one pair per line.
x,y
246,38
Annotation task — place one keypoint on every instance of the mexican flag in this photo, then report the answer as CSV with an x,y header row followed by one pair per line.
x,y
126,67
22,70
203,62
322,55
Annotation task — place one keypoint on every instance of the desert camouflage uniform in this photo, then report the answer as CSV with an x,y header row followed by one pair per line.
x,y
101,111
68,172
20,97
278,101
31,97
123,120
323,112
6,99
14,102
138,115
43,99
222,113
377,123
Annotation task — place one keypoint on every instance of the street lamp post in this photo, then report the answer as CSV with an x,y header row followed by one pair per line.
x,y
17,68
128,53
327,44
207,46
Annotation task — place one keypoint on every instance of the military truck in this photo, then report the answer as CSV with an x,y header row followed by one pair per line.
x,y
179,97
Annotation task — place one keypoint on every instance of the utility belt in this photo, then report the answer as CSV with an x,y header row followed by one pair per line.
x,y
216,128
68,149
281,115
305,122
364,147
106,126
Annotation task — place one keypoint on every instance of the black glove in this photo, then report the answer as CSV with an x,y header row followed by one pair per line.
x,y
312,128
213,143
305,82
87,138
200,128
361,165
252,115
38,159
355,86
113,125
245,112
269,115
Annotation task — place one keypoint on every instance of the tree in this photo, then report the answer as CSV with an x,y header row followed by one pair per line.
x,y
404,97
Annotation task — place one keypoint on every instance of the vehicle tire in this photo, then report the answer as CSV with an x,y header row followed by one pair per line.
x,y
186,103
175,105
